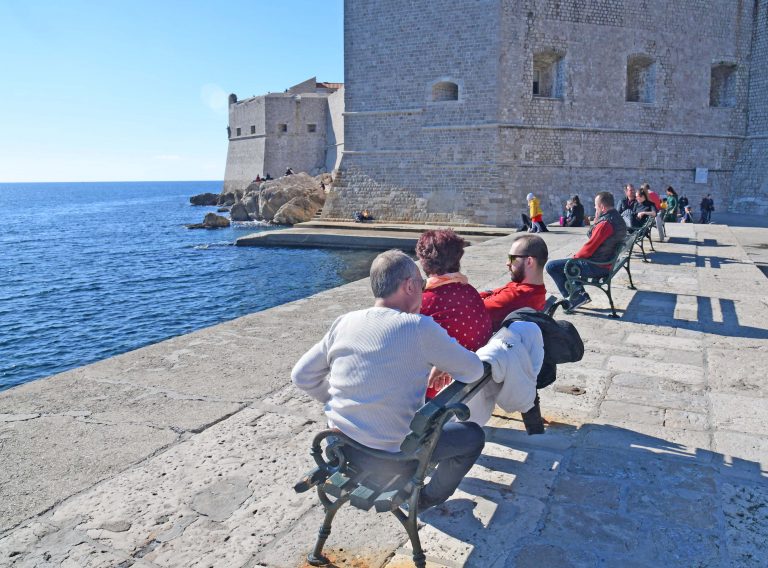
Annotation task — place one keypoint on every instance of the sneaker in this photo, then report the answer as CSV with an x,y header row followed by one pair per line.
x,y
578,300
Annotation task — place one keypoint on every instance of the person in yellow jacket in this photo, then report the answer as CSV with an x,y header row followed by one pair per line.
x,y
536,214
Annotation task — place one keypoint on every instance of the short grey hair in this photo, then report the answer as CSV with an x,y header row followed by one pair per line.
x,y
388,270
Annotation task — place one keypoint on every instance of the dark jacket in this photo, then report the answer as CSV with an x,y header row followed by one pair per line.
x,y
625,204
639,207
603,246
575,216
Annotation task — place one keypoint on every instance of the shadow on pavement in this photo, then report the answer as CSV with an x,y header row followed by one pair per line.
x,y
658,308
711,243
691,259
601,494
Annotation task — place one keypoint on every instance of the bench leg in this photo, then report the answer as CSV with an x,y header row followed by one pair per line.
x,y
651,241
642,247
316,558
610,299
631,284
410,523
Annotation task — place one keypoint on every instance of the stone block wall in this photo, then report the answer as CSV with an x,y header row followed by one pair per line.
x,y
334,130
751,177
475,158
297,147
246,151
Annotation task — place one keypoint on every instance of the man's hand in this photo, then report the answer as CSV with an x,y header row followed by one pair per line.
x,y
438,379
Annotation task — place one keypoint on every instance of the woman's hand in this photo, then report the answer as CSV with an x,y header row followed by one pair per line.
x,y
438,379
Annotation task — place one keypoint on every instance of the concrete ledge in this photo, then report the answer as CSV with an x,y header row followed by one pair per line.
x,y
335,239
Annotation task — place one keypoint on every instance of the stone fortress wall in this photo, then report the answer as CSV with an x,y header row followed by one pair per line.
x,y
456,110
301,129
751,176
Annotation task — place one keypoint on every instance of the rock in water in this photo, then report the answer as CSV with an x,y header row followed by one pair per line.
x,y
239,212
275,194
297,210
251,202
227,199
211,221
209,199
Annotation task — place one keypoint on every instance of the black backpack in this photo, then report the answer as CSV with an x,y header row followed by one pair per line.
x,y
562,342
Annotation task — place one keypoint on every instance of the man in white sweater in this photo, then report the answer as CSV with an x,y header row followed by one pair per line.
x,y
372,367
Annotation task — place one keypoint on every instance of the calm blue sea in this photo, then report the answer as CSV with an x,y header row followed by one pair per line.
x,y
91,270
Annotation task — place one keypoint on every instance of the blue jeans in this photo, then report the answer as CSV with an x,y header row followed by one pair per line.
x,y
556,270
458,447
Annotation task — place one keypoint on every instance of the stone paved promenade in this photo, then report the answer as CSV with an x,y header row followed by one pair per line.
x,y
184,453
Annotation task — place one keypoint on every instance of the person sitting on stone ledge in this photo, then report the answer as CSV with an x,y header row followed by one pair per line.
x,y
687,215
448,298
363,215
574,216
371,371
527,257
604,236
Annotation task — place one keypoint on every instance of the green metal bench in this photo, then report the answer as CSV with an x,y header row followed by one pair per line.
x,y
621,259
339,481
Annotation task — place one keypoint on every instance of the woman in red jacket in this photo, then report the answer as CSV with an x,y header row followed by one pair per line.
x,y
448,298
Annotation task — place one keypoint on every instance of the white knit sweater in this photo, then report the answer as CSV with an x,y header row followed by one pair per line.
x,y
371,370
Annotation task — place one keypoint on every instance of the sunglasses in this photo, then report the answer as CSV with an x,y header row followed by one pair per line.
x,y
423,284
513,257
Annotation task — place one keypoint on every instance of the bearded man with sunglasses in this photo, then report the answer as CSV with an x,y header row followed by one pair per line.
x,y
525,262
372,368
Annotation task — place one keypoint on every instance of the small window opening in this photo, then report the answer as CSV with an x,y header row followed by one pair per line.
x,y
311,127
253,129
282,128
722,86
641,79
548,75
445,91
237,132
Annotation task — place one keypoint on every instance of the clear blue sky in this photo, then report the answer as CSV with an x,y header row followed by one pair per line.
x,y
103,90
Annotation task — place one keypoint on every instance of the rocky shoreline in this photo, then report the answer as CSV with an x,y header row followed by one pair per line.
x,y
288,200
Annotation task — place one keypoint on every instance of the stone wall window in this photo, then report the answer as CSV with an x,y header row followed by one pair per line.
x,y
641,79
445,91
722,85
282,127
311,128
237,132
548,74
253,129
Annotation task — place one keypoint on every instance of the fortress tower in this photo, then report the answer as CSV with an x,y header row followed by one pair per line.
x,y
301,128
455,110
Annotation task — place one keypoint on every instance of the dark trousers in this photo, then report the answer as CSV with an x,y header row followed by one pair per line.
x,y
540,226
556,270
458,447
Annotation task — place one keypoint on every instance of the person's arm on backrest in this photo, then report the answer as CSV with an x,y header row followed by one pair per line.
x,y
446,354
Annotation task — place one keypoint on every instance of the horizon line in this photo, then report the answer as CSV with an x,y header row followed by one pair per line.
x,y
118,181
